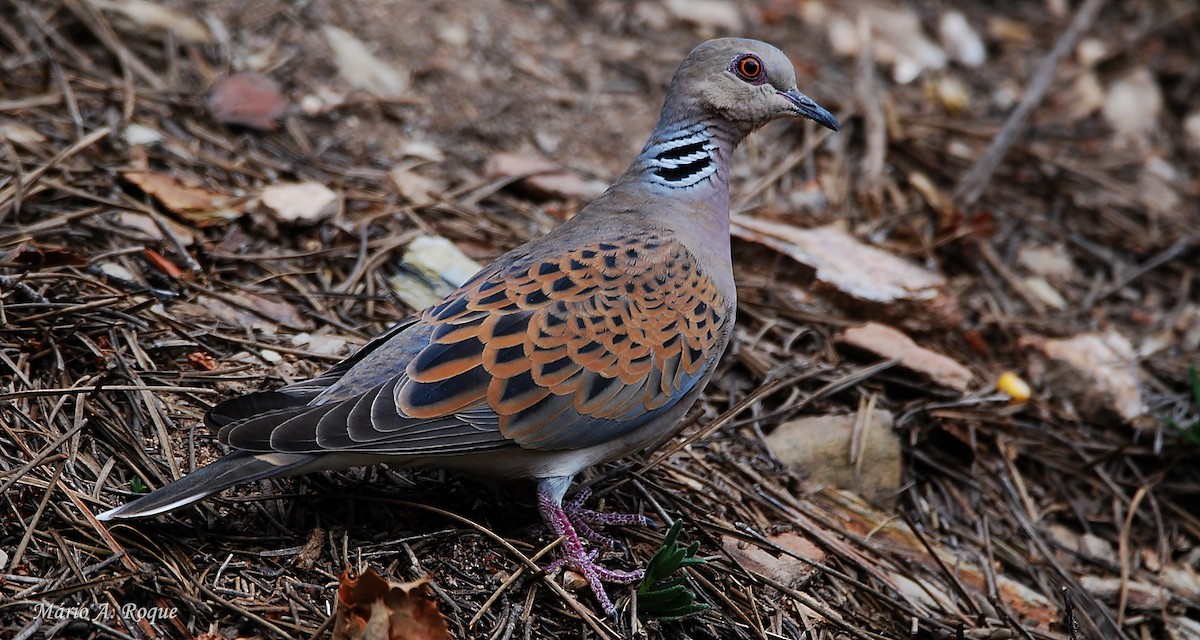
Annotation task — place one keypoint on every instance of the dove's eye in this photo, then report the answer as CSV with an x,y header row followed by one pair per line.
x,y
749,67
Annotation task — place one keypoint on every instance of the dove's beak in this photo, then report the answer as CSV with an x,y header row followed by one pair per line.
x,y
806,107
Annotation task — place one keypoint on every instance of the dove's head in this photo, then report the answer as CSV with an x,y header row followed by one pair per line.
x,y
745,82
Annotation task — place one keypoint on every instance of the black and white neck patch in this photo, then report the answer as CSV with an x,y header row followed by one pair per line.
x,y
683,160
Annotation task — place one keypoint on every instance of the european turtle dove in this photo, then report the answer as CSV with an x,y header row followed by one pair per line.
x,y
582,346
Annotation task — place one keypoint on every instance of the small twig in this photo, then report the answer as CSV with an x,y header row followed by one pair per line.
x,y
587,616
973,182
7,194
874,123
510,581
29,393
1180,247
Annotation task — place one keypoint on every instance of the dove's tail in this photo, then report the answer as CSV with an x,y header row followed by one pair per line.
x,y
235,468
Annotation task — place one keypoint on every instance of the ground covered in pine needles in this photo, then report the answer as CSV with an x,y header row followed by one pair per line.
x,y
142,278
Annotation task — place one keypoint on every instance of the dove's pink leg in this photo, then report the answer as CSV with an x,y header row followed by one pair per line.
x,y
583,519
568,522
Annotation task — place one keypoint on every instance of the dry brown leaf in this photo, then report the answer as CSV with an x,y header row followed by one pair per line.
x,y
372,608
250,99
35,258
197,205
250,311
853,268
417,189
887,342
782,568
886,533
201,361
542,178
1098,372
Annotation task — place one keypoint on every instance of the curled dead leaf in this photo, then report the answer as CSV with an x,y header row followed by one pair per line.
x,y
542,178
887,342
862,272
201,361
35,258
372,608
197,205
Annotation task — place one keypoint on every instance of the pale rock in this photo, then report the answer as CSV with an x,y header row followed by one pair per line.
x,y
572,581
326,345
897,39
1052,262
1191,129
1156,185
1057,8
1008,30
433,268
821,447
1085,97
301,202
950,92
417,189
114,270
1045,292
143,223
1090,51
1097,548
153,16
139,134
923,592
1188,327
270,356
1183,579
423,150
961,42
1132,107
455,35
361,68
709,16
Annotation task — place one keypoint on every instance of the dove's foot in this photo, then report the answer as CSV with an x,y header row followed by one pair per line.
x,y
574,524
584,519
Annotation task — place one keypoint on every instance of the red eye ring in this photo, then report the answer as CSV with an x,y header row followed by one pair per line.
x,y
749,67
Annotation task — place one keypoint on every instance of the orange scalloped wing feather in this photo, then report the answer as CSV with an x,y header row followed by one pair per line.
x,y
572,350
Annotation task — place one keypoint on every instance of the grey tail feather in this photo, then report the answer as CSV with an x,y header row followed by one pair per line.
x,y
250,405
235,468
